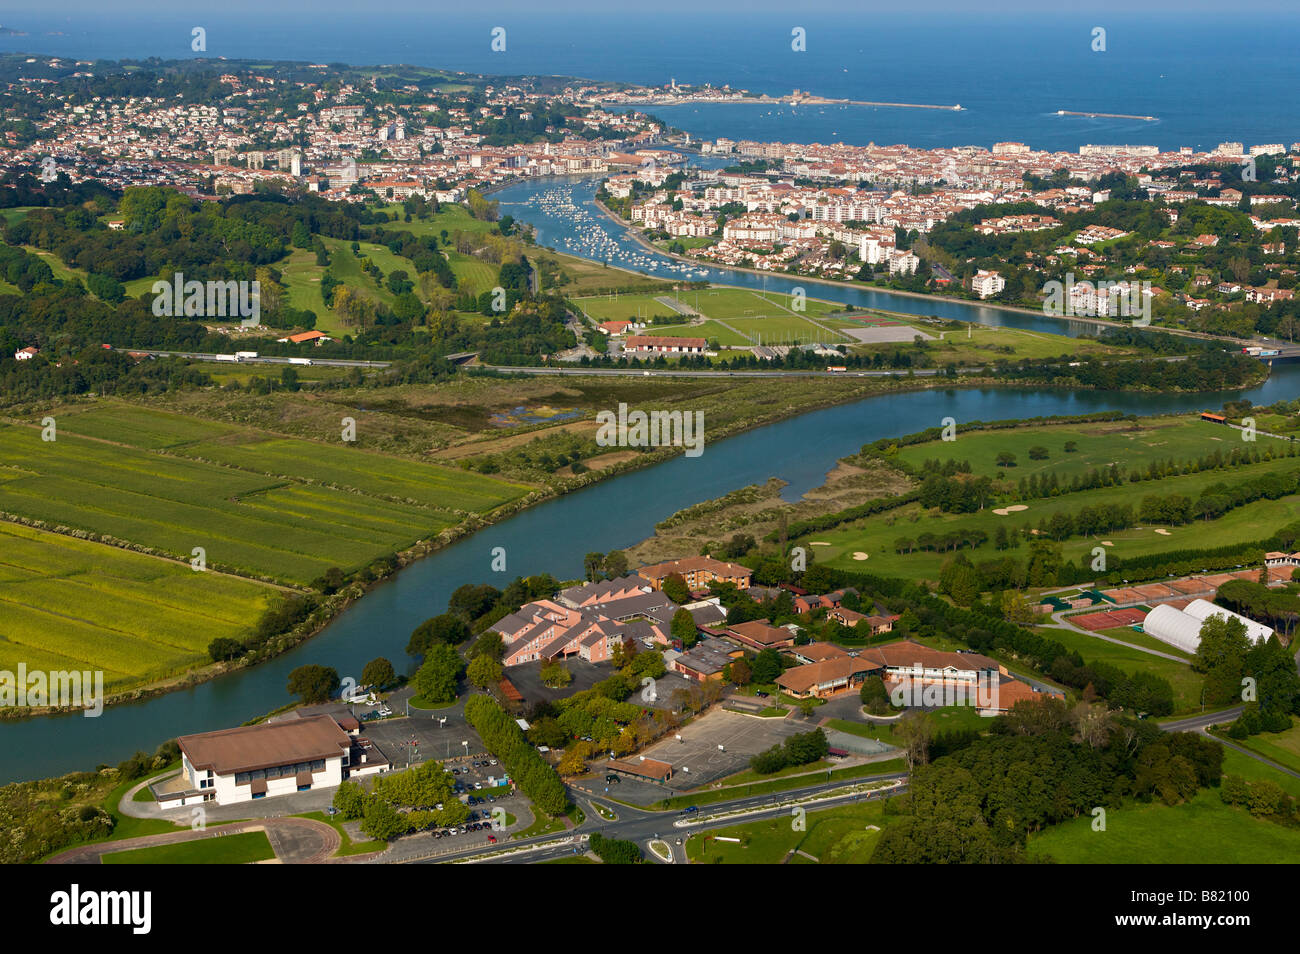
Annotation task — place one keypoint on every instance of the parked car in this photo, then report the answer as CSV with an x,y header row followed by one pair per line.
x,y
492,839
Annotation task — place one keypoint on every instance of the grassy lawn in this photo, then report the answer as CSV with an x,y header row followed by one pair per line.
x,y
841,835
710,796
1134,638
1187,684
419,702
239,849
347,846
749,776
1202,831
1280,747
1099,446
473,275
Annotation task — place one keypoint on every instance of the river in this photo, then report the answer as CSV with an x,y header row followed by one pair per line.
x,y
554,537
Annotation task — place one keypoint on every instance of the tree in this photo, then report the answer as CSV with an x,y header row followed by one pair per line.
x,y
615,564
1221,656
378,673
917,732
874,695
447,628
675,588
484,671
807,707
489,643
1006,459
436,679
1038,452
555,674
766,666
313,683
740,672
350,800
382,822
223,647
684,629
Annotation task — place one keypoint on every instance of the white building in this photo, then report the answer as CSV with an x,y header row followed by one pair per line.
x,y
262,761
986,283
25,354
1182,628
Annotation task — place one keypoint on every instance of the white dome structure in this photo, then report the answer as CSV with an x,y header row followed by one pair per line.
x,y
1182,628
1174,627
1203,610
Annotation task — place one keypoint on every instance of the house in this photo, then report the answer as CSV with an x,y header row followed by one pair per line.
x,y
878,624
760,634
703,661
698,572
614,327
26,354
663,344
546,629
262,761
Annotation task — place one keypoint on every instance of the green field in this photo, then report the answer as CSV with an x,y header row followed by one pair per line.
x,y
832,836
1280,747
1129,444
1099,446
258,504
473,276
241,848
1187,684
1202,831
70,604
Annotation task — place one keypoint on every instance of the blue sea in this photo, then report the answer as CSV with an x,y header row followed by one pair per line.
x,y
1208,75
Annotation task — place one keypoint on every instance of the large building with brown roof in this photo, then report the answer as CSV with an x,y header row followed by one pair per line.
x,y
698,572
262,761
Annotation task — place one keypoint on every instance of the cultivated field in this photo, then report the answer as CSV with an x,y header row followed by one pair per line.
x,y
69,604
261,505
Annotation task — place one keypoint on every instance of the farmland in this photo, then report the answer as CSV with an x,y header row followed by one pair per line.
x,y
70,604
259,505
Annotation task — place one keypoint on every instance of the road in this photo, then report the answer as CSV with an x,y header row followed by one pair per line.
x,y
269,359
642,826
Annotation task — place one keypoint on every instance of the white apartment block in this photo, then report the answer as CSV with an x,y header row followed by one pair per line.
x,y
987,284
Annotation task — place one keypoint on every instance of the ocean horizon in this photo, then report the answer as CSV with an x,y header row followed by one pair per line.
x,y
1206,78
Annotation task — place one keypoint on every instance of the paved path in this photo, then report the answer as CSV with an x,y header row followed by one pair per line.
x,y
1060,623
296,841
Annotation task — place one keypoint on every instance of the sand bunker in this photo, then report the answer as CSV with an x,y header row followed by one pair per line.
x,y
1014,508
1163,532
818,543
1107,543
859,555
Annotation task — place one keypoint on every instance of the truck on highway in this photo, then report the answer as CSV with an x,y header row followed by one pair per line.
x,y
242,355
300,360
225,357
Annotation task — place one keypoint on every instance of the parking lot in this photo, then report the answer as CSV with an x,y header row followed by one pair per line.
x,y
697,760
417,740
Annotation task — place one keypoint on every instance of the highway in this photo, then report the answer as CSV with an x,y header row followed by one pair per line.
x,y
269,359
642,826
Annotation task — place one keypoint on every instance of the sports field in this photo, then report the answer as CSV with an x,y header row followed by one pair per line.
x,y
69,604
258,504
